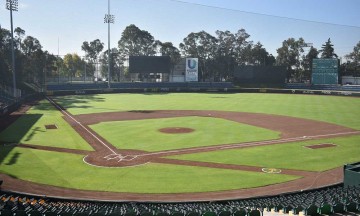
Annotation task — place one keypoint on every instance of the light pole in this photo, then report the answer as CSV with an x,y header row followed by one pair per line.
x,y
12,5
109,19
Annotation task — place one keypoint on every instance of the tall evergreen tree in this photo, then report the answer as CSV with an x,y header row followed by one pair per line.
x,y
327,50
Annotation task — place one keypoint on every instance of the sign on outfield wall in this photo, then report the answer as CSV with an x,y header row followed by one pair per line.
x,y
192,70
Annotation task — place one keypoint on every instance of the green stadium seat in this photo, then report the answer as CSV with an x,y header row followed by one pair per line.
x,y
325,209
240,212
20,213
311,210
225,213
351,207
146,214
6,212
255,212
177,214
209,213
297,209
130,213
162,214
35,213
278,207
193,214
339,208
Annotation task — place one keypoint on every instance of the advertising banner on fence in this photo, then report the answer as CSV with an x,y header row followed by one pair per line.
x,y
191,71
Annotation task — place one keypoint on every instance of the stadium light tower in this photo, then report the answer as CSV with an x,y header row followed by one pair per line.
x,y
12,5
109,19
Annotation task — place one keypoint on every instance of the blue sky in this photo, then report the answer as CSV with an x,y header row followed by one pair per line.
x,y
76,21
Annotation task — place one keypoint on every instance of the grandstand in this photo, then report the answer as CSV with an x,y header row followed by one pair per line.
x,y
325,201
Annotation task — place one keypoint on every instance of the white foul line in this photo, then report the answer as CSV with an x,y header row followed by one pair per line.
x,y
79,123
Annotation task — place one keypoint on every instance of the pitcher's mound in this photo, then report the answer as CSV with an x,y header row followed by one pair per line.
x,y
176,130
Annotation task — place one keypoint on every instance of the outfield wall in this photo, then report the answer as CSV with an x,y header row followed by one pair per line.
x,y
204,90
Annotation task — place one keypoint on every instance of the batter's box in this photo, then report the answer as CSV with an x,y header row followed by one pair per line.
x,y
120,157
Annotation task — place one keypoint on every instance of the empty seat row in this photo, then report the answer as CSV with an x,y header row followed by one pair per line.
x,y
337,199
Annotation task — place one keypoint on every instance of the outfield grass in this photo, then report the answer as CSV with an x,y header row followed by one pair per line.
x,y
334,109
69,171
288,156
30,129
145,134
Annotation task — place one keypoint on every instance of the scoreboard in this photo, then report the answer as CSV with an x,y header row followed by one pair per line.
x,y
325,71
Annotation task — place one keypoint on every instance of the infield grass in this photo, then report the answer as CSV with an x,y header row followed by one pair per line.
x,y
145,134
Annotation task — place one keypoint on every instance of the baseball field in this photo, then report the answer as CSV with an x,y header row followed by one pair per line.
x,y
178,146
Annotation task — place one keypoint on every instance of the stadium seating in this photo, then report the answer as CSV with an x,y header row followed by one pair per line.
x,y
336,199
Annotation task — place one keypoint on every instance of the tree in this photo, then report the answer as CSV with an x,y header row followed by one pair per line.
x,y
327,50
259,56
92,49
116,64
20,33
354,56
242,47
168,49
353,65
30,45
34,60
201,45
5,58
308,60
290,55
225,54
136,42
73,65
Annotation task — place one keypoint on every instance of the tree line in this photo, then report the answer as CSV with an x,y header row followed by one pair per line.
x,y
218,55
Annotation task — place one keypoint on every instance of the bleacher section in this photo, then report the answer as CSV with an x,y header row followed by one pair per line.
x,y
335,199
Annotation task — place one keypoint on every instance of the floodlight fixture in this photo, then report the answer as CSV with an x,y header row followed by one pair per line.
x,y
109,18
12,5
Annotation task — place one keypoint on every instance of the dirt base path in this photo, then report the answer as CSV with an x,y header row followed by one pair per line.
x,y
106,155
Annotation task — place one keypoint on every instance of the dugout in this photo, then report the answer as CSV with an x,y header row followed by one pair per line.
x,y
260,76
149,68
352,174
